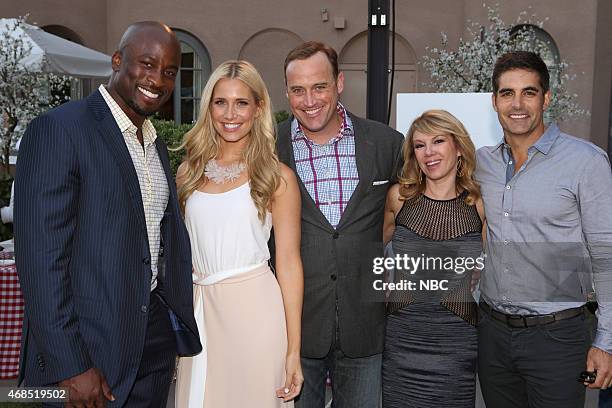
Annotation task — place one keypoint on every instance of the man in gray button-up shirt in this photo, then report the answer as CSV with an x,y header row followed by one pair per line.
x,y
548,204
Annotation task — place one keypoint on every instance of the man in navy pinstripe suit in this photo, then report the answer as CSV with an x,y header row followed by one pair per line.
x,y
102,253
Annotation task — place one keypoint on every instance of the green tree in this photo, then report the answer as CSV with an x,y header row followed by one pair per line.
x,y
172,134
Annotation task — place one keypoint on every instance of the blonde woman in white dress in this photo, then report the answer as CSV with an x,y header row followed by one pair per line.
x,y
233,191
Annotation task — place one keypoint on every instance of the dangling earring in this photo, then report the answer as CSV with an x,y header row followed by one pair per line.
x,y
419,174
459,166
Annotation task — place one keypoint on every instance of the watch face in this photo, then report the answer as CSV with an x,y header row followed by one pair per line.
x,y
588,377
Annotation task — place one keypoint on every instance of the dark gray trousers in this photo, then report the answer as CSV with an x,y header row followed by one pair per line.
x,y
534,367
158,360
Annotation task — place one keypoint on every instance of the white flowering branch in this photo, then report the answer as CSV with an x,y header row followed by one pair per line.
x,y
469,68
24,92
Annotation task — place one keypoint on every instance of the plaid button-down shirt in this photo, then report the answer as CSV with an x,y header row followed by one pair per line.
x,y
328,171
151,176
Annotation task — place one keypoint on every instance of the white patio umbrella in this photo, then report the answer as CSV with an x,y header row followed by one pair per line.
x,y
54,54
51,53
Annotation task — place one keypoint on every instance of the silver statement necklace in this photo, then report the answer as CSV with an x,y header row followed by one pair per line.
x,y
223,174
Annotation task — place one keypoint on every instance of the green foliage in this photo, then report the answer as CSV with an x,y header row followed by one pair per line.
x,y
281,116
172,134
6,230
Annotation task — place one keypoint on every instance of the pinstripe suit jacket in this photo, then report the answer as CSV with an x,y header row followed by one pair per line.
x,y
82,250
338,262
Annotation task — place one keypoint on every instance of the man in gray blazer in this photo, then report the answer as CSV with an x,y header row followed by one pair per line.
x,y
345,165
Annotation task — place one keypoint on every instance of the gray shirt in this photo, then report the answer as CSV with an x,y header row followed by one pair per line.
x,y
549,228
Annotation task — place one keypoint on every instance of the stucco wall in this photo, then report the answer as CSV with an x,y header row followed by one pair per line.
x,y
264,31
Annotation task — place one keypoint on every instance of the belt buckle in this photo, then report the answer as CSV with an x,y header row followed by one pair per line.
x,y
537,319
514,318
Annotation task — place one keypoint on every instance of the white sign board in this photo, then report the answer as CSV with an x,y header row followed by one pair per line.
x,y
474,110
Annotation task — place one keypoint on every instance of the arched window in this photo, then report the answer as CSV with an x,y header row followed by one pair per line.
x,y
268,60
194,72
544,45
353,62
64,32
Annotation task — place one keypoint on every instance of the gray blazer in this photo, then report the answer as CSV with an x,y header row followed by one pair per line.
x,y
338,262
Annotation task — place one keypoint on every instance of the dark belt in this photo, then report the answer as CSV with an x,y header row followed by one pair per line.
x,y
516,321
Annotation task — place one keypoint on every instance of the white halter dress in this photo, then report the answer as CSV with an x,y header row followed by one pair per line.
x,y
238,306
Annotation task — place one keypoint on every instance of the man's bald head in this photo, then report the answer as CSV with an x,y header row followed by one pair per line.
x,y
144,69
144,29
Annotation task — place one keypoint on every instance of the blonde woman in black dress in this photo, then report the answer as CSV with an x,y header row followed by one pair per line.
x,y
435,211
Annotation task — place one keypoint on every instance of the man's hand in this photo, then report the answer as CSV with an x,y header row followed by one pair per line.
x,y
600,361
88,389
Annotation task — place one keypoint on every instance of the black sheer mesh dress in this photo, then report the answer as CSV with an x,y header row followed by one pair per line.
x,y
430,355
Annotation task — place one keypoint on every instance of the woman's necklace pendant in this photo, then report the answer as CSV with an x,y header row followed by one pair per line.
x,y
223,174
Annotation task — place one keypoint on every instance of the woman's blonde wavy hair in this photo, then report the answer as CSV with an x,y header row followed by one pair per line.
x,y
439,122
201,143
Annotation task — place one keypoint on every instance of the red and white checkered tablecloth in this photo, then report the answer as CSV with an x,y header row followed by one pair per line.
x,y
11,319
